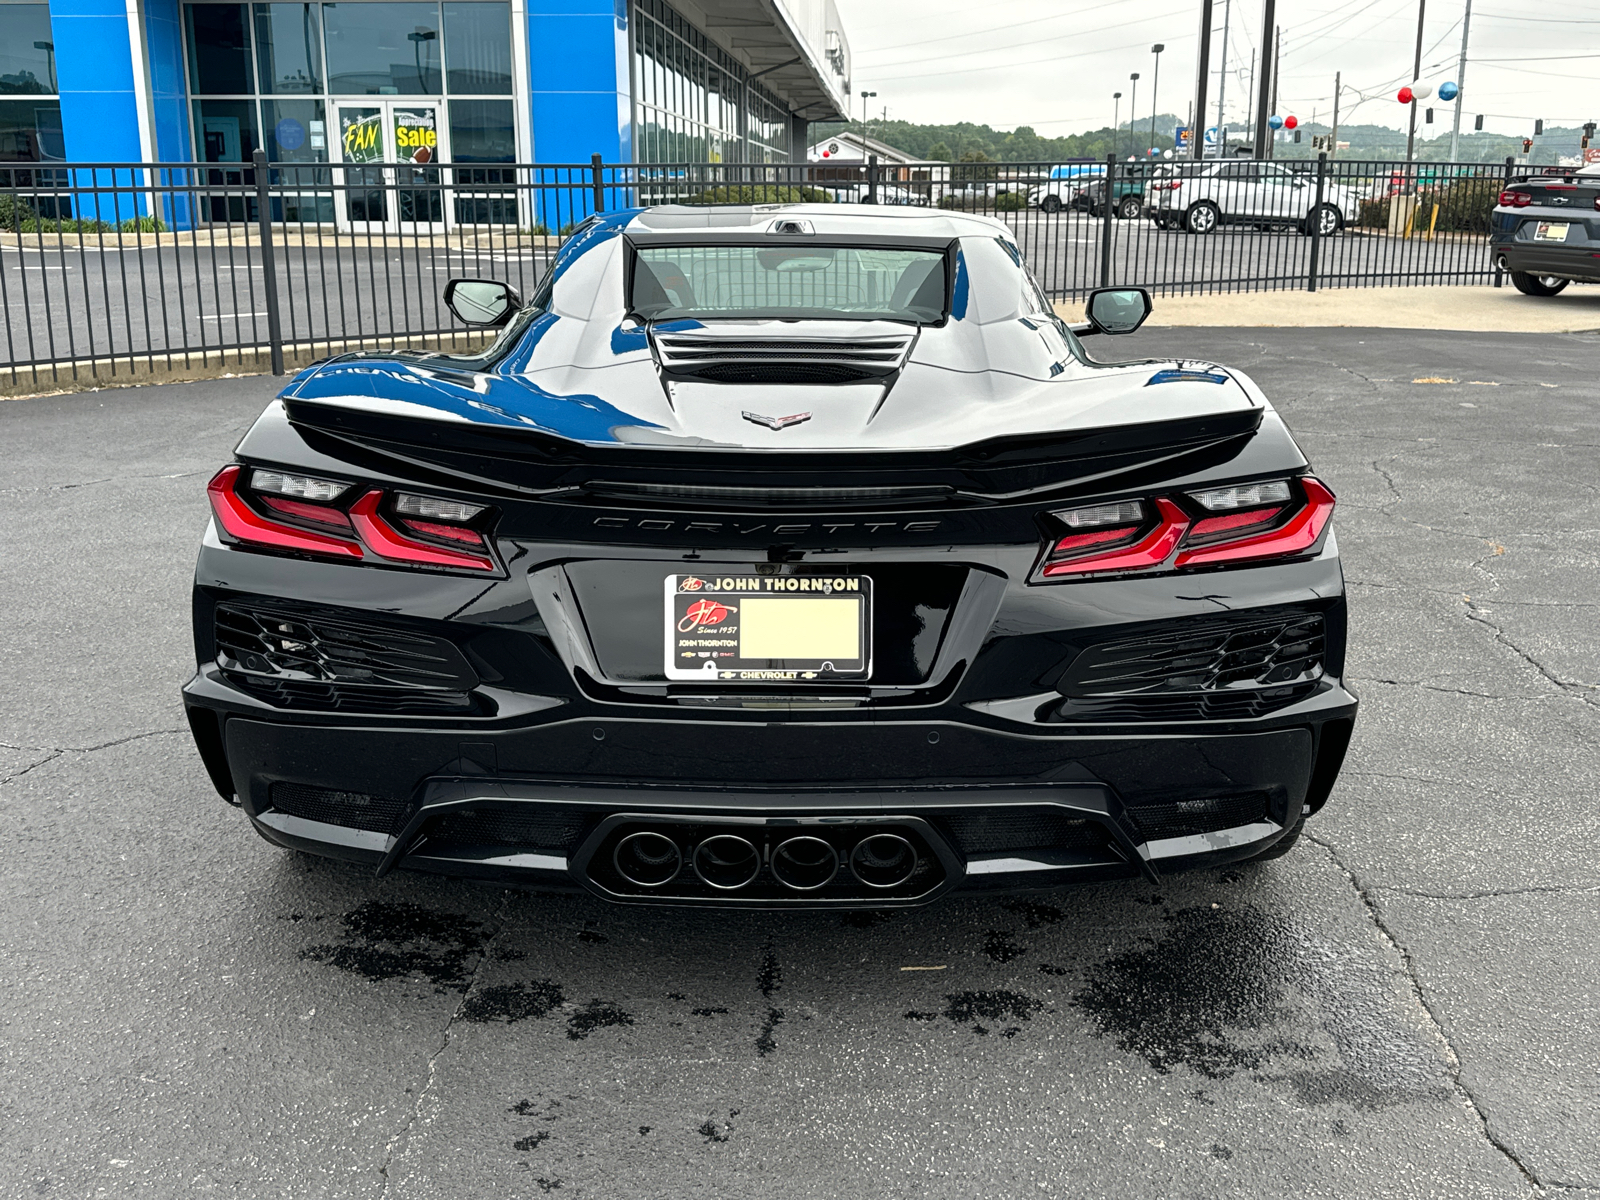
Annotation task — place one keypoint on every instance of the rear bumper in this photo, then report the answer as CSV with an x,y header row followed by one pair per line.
x,y
1581,264
1002,809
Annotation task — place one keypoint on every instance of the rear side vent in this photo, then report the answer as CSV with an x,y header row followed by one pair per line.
x,y
350,810
777,360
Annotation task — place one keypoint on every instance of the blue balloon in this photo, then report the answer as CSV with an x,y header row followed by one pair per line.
x,y
1448,90
1275,121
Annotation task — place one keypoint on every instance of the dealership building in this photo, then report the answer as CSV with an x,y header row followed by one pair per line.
x,y
466,81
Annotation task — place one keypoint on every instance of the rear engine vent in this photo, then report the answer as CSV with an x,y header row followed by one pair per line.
x,y
791,498
556,829
350,810
776,360
1184,818
1209,669
296,660
1025,827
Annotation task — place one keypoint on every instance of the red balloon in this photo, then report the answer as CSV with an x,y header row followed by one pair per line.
x,y
824,154
1405,96
1290,122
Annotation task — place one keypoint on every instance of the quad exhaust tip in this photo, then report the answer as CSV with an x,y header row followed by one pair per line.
x,y
648,859
804,864
726,861
883,860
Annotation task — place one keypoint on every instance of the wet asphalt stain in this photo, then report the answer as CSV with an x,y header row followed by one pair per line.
x,y
865,918
1221,1152
914,1015
597,1014
1051,969
512,1002
592,937
531,1141
1035,914
643,1129
710,1012
718,1131
1000,948
386,941
769,979
996,1007
1234,989
548,1185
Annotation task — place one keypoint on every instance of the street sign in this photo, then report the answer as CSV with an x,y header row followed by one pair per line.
x,y
1180,137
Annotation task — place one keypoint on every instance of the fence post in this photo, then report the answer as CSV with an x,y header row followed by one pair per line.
x,y
1499,275
269,267
1108,214
872,179
599,183
1316,220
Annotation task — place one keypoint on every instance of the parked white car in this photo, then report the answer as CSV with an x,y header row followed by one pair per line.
x,y
1057,194
1247,192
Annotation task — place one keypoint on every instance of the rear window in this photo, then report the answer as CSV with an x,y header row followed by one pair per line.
x,y
789,282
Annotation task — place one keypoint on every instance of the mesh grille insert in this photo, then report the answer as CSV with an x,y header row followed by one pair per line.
x,y
544,829
350,810
1024,827
1186,817
289,693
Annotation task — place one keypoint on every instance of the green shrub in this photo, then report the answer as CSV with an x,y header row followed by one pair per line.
x,y
1010,202
70,225
143,225
14,211
765,193
1374,214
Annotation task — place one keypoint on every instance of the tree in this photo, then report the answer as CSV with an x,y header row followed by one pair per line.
x,y
939,152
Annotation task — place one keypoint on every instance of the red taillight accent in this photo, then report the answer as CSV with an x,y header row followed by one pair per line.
x,y
455,533
1153,549
320,513
1075,542
239,520
1209,527
1296,536
388,542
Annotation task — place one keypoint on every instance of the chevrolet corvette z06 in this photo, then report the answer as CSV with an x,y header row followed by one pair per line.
x,y
773,556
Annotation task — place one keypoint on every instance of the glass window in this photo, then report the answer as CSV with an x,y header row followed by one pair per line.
x,y
225,130
789,283
219,49
383,49
482,131
27,51
30,131
296,130
477,48
289,48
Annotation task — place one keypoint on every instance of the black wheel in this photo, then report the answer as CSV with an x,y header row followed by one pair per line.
x,y
1129,207
1328,221
1537,285
1284,844
1050,204
1202,218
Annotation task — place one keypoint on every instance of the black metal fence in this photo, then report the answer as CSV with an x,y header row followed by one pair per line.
x,y
111,272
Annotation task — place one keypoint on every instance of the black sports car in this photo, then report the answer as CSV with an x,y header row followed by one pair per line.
x,y
773,556
1546,230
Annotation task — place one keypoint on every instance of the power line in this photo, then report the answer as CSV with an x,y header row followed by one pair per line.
x,y
875,77
872,72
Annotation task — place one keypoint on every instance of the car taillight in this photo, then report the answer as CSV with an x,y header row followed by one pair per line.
x,y
384,540
1511,198
1245,522
1295,536
242,523
267,516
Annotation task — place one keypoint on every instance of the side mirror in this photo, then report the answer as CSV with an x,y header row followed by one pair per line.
x,y
1117,310
481,301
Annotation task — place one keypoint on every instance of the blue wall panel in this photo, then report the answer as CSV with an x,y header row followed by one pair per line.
x,y
94,67
577,50
164,39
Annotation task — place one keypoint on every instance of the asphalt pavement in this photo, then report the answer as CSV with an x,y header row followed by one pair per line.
x,y
1404,1006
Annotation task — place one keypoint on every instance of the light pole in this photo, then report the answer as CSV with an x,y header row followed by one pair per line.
x,y
1461,83
1155,87
1133,106
1116,118
50,49
416,37
865,96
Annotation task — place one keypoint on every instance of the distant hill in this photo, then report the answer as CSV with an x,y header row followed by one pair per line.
x,y
955,143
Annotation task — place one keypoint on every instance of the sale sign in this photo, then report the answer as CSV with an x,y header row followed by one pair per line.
x,y
416,137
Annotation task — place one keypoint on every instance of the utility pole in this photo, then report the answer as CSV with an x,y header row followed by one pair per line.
x,y
1264,90
865,96
1116,118
1333,139
1416,73
1461,83
1133,106
1277,49
1197,140
1222,82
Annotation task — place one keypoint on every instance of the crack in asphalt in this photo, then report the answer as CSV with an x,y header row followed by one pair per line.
x,y
51,753
1416,986
1433,687
1586,692
1538,890
67,487
404,1131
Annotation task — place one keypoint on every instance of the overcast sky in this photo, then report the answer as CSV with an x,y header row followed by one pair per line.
x,y
1055,66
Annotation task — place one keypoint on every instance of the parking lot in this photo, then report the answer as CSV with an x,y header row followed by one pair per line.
x,y
1403,1006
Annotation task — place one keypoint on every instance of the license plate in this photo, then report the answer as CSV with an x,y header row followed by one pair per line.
x,y
1551,231
768,628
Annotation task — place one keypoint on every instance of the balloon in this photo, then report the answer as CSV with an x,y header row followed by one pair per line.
x,y
1275,121
1290,122
1448,90
1406,96
1422,90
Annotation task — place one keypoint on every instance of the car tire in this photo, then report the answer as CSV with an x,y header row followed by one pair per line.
x,y
1284,844
1050,204
1129,207
1204,217
1328,219
1538,285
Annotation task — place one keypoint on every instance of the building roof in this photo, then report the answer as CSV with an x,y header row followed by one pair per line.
x,y
850,146
797,48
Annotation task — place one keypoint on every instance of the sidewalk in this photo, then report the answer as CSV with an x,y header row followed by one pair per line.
x,y
1473,309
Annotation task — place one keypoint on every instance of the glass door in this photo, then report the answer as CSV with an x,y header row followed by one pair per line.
x,y
391,149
